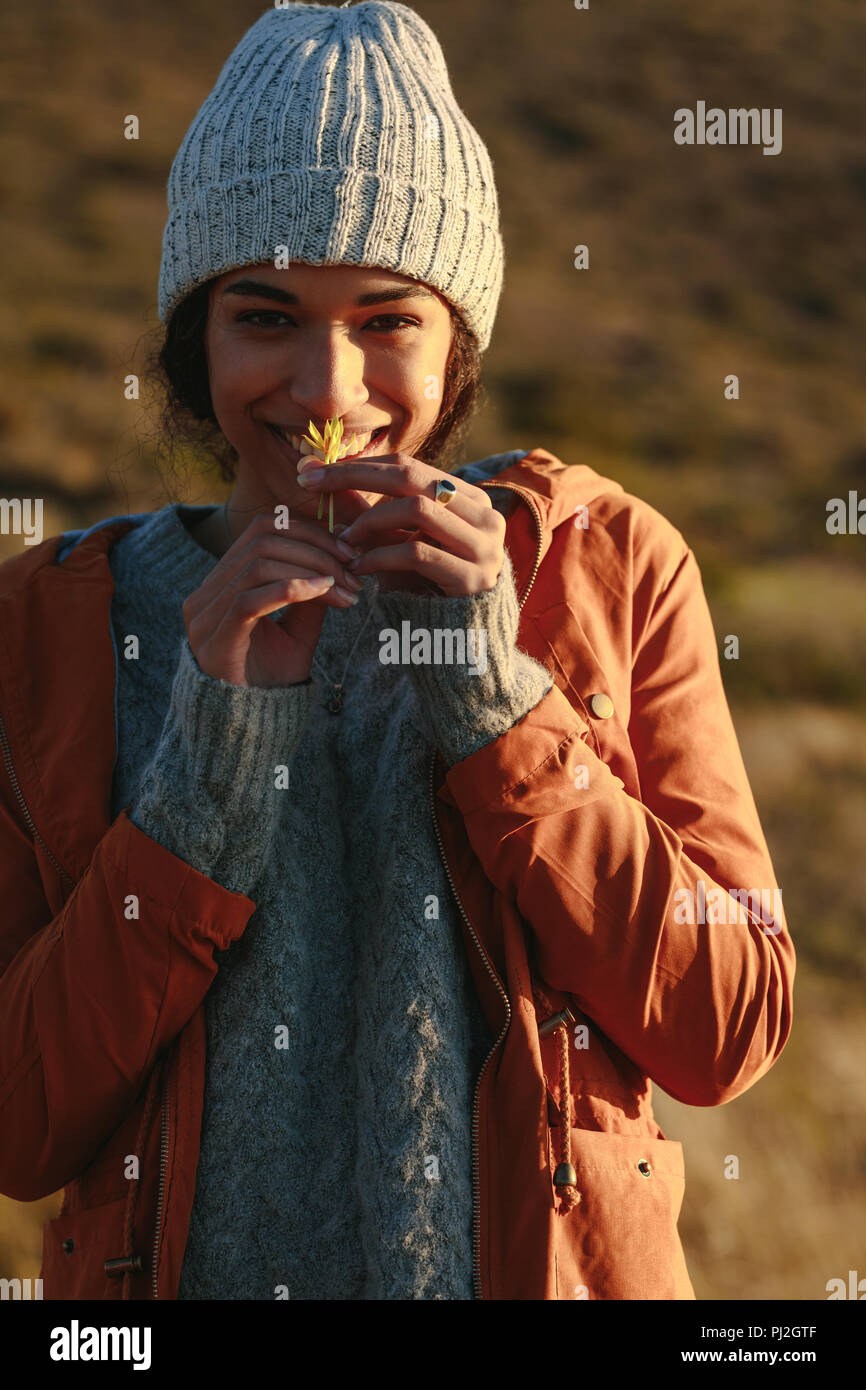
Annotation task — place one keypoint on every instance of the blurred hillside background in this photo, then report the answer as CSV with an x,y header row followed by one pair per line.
x,y
704,261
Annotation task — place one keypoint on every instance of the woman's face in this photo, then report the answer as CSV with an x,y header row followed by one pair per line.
x,y
312,342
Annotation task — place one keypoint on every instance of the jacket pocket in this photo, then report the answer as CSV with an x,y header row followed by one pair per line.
x,y
75,1246
621,1240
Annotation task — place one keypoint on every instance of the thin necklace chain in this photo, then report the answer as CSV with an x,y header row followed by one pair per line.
x,y
336,702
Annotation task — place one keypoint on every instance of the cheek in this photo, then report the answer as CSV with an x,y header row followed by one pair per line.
x,y
420,392
416,376
433,382
236,374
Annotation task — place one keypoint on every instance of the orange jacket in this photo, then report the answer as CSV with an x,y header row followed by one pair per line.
x,y
569,887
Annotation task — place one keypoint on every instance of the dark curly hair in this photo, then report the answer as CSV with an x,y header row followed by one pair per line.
x,y
176,367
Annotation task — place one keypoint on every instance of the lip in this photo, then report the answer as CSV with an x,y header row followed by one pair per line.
x,y
379,433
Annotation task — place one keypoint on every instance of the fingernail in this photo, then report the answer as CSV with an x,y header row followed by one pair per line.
x,y
353,563
344,593
314,476
347,551
353,583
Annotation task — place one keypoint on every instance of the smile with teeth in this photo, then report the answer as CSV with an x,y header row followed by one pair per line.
x,y
301,446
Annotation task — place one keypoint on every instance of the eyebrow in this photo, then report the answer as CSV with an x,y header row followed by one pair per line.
x,y
260,289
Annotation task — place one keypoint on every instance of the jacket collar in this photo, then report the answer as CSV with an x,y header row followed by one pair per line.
x,y
558,488
552,492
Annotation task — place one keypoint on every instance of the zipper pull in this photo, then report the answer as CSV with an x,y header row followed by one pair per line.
x,y
565,1016
125,1264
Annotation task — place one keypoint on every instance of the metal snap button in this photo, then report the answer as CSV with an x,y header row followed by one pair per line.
x,y
644,1169
68,1246
601,705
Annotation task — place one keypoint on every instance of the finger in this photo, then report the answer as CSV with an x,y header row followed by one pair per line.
x,y
354,504
469,539
255,604
351,504
318,551
252,604
397,475
453,575
298,528
261,573
290,552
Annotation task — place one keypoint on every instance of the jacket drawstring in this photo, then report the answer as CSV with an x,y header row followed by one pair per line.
x,y
565,1177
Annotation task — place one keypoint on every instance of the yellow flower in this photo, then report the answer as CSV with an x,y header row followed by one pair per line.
x,y
330,446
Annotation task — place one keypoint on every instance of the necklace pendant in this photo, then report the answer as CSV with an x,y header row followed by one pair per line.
x,y
337,702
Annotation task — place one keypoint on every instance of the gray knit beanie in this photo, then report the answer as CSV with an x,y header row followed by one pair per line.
x,y
333,131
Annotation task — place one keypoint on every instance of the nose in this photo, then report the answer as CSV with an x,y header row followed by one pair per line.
x,y
328,376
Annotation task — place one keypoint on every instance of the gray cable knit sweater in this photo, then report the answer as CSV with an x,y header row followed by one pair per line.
x,y
344,1034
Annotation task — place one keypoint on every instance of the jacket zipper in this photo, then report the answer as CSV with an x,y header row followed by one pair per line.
x,y
28,819
163,1157
530,501
476,1201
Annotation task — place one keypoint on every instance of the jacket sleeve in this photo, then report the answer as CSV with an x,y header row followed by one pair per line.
x,y
613,888
90,997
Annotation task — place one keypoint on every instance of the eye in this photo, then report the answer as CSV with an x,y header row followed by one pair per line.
x,y
389,323
396,322
262,313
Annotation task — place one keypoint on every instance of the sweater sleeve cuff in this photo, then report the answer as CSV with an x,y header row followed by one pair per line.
x,y
475,684
210,793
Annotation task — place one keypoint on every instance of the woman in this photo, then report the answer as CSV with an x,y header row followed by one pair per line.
x,y
325,979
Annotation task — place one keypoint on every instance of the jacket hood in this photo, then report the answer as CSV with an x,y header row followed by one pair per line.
x,y
554,489
558,487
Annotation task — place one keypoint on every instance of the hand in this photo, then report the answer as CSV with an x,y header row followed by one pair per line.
x,y
264,569
421,545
